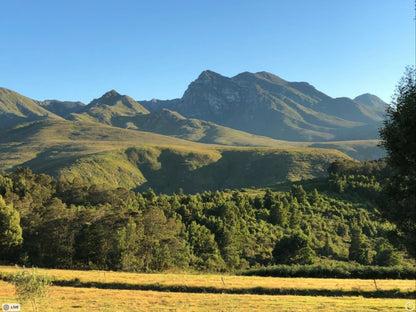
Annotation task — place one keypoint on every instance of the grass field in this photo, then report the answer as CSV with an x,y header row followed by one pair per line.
x,y
94,299
222,281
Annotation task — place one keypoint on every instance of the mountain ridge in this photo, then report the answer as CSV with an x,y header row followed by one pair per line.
x,y
248,109
265,104
16,109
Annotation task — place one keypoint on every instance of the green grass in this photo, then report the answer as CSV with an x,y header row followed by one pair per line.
x,y
16,109
99,154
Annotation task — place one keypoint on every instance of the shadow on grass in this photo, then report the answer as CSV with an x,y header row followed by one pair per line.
x,y
393,293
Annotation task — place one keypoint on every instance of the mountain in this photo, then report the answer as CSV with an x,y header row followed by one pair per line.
x,y
156,104
371,100
122,111
110,109
16,109
172,123
116,141
264,104
62,108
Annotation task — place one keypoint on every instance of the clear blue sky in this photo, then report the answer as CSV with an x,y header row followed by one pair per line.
x,y
78,50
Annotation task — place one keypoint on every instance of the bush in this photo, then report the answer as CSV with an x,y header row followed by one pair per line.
x,y
30,286
340,270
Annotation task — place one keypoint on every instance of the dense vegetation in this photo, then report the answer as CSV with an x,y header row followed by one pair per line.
x,y
74,225
399,139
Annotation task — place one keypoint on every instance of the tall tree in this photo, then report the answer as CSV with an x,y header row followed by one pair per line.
x,y
359,249
398,135
10,231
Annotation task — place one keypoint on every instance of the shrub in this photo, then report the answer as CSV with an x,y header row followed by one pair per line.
x,y
31,286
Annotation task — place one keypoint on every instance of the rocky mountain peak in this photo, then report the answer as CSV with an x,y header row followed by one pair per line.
x,y
110,94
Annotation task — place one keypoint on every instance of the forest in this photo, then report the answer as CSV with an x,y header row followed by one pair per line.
x,y
56,224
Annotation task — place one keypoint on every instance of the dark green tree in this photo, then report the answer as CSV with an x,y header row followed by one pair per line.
x,y
359,249
279,214
294,249
398,203
385,254
299,193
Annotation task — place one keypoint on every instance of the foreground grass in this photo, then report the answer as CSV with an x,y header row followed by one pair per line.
x,y
91,299
222,281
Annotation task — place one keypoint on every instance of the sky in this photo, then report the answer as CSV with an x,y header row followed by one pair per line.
x,y
78,50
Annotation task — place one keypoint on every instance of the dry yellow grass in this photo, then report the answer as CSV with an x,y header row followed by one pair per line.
x,y
223,281
81,299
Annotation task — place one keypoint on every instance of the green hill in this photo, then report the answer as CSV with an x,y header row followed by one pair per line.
x,y
110,109
51,143
16,109
358,149
170,168
106,155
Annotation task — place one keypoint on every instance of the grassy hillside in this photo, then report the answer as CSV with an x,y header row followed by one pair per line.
x,y
102,154
109,109
359,149
49,144
168,168
16,109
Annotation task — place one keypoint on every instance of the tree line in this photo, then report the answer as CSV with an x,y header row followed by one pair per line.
x,y
50,223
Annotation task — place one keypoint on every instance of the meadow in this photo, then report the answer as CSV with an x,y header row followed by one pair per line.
x,y
81,298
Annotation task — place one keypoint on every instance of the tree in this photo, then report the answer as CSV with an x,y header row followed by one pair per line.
x,y
31,286
398,203
359,249
129,240
204,247
292,249
10,230
279,214
299,193
385,254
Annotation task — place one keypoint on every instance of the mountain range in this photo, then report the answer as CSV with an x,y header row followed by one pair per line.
x,y
264,104
276,121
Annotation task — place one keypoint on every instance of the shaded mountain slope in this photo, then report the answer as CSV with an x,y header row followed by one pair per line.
x,y
371,100
62,108
171,123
